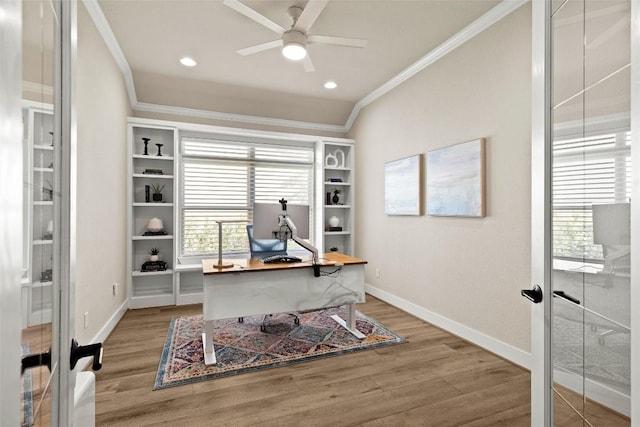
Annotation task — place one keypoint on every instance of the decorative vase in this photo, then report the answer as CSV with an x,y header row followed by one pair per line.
x,y
335,199
155,225
157,197
334,221
153,258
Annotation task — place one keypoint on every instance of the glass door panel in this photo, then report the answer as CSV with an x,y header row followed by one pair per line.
x,y
39,202
591,173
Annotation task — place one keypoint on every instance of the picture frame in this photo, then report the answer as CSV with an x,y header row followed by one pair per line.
x,y
456,180
403,188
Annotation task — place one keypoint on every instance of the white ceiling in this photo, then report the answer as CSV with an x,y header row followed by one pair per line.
x,y
153,35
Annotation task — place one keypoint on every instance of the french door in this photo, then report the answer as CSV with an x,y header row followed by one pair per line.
x,y
584,254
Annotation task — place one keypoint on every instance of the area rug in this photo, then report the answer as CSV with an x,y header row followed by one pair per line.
x,y
27,392
242,347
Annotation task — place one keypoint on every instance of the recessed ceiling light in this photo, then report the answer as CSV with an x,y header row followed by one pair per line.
x,y
188,62
330,85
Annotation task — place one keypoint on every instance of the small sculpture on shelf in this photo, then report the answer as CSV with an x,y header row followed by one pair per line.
x,y
159,149
46,276
157,192
334,224
48,234
51,133
145,141
155,228
47,191
335,199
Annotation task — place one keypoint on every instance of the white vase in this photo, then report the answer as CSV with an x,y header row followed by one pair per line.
x,y
334,221
155,225
153,258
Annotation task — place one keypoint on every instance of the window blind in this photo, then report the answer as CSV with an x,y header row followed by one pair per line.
x,y
587,171
221,180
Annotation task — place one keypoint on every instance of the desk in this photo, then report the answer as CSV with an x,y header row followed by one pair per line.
x,y
251,288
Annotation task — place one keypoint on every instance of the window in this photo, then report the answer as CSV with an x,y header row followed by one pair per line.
x,y
220,180
587,171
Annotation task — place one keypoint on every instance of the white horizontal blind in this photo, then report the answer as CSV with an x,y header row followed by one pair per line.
x,y
222,179
587,171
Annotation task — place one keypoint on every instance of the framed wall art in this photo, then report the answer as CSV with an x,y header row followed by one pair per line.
x,y
456,180
403,186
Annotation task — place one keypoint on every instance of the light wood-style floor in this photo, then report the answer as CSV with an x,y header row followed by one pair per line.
x,y
436,379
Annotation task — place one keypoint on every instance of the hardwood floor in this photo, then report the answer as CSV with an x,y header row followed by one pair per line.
x,y
436,379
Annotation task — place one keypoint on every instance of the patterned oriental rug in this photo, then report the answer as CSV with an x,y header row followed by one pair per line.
x,y
241,347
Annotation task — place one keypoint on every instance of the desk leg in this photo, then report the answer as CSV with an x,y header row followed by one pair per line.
x,y
207,343
350,323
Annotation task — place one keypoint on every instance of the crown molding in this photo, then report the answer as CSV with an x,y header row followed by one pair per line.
x,y
502,10
494,15
37,88
256,120
95,11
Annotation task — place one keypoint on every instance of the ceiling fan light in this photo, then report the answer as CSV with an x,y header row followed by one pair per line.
x,y
294,51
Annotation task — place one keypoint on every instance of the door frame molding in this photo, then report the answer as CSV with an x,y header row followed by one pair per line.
x,y
541,125
635,214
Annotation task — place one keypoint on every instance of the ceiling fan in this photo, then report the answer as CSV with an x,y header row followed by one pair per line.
x,y
294,41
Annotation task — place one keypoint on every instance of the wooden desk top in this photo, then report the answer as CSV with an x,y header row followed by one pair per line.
x,y
249,265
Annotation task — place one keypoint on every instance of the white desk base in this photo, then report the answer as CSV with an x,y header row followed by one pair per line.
x,y
249,293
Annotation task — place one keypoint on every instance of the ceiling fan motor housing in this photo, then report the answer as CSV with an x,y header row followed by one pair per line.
x,y
295,37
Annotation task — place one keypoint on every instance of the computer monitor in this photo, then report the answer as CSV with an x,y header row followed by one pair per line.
x,y
612,224
265,220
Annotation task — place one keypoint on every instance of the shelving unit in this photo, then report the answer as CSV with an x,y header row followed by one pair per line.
x,y
151,288
39,153
338,161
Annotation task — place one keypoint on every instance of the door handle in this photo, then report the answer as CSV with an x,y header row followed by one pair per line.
x,y
80,351
564,295
33,360
534,294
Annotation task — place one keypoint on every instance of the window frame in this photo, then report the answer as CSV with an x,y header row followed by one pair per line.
x,y
244,140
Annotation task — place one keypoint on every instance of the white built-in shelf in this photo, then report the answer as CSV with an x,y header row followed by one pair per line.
x,y
43,170
43,203
159,237
151,273
142,156
335,233
336,168
41,284
337,206
151,204
151,175
337,183
43,147
43,242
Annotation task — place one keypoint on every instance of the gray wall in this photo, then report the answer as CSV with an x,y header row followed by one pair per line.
x,y
466,270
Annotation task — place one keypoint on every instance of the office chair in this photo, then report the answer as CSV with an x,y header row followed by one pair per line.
x,y
262,248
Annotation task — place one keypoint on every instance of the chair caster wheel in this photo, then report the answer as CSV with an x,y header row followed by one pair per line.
x,y
240,319
263,328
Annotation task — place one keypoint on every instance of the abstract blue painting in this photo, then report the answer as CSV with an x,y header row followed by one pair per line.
x,y
455,180
403,186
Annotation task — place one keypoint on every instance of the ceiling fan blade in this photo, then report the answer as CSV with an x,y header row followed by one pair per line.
x,y
310,13
337,41
260,47
252,14
308,65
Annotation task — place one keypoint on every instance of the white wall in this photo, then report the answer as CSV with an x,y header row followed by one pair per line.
x,y
102,110
468,271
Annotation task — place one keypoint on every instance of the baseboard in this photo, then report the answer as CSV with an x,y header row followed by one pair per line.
x,y
102,335
504,350
595,391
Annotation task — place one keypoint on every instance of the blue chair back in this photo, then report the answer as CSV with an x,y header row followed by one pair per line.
x,y
261,248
